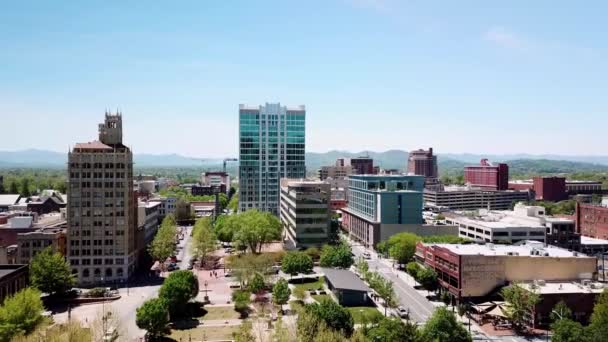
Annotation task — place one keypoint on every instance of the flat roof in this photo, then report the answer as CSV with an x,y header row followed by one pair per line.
x,y
6,270
524,249
93,145
344,280
9,199
564,287
585,240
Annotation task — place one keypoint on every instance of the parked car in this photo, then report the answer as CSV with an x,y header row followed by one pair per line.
x,y
367,255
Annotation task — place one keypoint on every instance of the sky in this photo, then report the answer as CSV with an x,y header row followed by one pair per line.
x,y
460,76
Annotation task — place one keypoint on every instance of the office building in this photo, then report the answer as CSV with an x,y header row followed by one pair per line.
x,y
473,270
102,219
382,205
148,219
216,179
510,226
423,163
487,176
305,212
271,146
592,220
455,197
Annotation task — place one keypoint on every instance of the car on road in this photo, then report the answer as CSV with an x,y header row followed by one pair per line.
x,y
403,312
190,267
367,255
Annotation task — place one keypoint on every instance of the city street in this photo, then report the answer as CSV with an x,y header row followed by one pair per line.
x,y
131,298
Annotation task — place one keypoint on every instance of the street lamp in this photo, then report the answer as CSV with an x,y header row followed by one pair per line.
x,y
206,295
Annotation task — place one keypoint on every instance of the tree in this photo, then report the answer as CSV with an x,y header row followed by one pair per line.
x,y
521,304
560,311
382,247
296,262
183,210
13,188
152,316
50,273
362,267
598,327
245,267
385,290
177,290
163,245
203,239
20,313
412,268
402,247
313,252
241,300
566,330
339,256
427,277
299,293
443,327
335,316
25,187
244,334
254,229
256,285
391,329
233,205
281,293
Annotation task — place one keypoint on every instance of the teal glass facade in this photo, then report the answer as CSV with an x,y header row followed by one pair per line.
x,y
272,142
387,199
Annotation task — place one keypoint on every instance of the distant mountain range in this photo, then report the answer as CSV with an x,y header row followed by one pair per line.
x,y
392,159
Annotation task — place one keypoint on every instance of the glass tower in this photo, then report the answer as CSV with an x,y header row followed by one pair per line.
x,y
271,147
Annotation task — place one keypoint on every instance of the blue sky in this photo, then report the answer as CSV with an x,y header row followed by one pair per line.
x,y
461,76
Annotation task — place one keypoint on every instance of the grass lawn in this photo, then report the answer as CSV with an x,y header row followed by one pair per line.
x,y
361,312
219,313
296,305
320,298
310,285
204,333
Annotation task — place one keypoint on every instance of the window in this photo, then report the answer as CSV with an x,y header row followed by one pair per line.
x,y
85,273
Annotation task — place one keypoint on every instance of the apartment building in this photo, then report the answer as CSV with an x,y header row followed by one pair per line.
x,y
272,140
487,175
102,215
305,212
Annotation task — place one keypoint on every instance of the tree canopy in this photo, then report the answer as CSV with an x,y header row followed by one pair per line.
x,y
522,303
444,327
281,292
50,273
177,290
339,256
164,243
251,228
402,247
333,315
20,313
392,329
152,316
296,262
203,238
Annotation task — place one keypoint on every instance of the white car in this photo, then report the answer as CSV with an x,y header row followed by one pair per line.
x,y
367,255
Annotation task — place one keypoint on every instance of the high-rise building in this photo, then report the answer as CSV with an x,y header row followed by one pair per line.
x,y
271,146
487,175
305,212
422,163
102,219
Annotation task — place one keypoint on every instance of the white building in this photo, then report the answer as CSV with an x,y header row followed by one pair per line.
x,y
522,223
148,218
216,179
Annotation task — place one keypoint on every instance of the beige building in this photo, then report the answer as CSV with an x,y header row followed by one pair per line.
x,y
477,270
305,212
102,219
31,243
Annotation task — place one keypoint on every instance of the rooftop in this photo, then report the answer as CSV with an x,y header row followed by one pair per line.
x,y
523,250
6,270
344,280
564,287
585,240
9,199
93,145
522,216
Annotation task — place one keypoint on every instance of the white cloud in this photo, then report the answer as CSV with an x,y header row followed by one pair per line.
x,y
502,37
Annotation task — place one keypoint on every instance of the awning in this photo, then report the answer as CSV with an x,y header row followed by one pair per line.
x,y
484,307
155,267
497,312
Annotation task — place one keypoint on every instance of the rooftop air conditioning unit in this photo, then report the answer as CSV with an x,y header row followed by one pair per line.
x,y
546,254
540,282
586,282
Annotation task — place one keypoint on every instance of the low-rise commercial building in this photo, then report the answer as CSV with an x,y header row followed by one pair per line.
x,y
13,278
305,212
31,243
8,200
487,175
216,179
592,220
347,287
478,270
467,197
506,226
148,219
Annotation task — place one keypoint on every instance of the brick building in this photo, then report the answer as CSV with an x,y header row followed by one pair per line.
x,y
487,175
550,188
592,220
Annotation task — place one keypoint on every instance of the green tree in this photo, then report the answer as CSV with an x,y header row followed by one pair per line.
x,y
382,247
296,262
163,245
335,316
255,228
183,210
25,187
233,205
443,327
281,293
246,266
152,317
203,239
241,300
598,327
427,277
402,247
177,290
244,334
256,285
308,325
385,290
50,273
362,267
313,252
560,311
13,189
339,256
566,330
412,268
522,303
391,329
20,313
299,293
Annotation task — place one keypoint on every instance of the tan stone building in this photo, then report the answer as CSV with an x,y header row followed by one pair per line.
x,y
31,243
477,270
102,219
